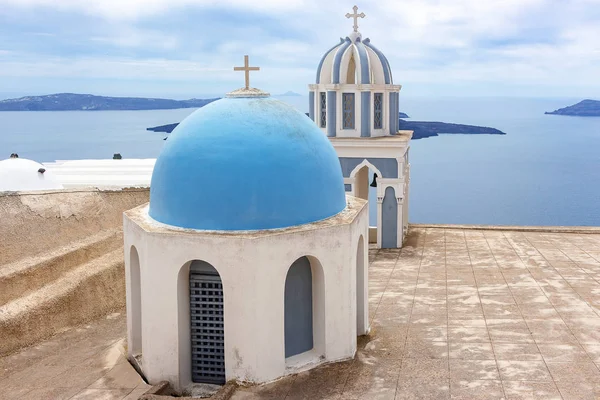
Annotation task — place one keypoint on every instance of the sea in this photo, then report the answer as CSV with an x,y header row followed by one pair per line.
x,y
544,171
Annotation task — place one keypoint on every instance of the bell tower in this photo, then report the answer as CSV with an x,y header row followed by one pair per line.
x,y
354,94
355,102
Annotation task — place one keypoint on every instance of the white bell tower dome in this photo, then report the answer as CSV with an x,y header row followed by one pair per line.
x,y
354,94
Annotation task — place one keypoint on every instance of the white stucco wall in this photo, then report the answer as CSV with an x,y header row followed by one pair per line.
x,y
395,147
103,173
253,267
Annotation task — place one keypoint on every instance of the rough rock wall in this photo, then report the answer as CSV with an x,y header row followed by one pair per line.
x,y
37,222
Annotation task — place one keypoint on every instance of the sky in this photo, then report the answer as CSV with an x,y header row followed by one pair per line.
x,y
188,48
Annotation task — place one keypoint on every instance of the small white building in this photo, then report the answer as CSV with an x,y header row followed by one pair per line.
x,y
355,103
250,262
21,175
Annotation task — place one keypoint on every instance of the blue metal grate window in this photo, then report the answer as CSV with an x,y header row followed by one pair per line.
x,y
323,109
208,344
348,108
378,111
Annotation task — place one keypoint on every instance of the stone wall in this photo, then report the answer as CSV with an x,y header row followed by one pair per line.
x,y
37,222
61,260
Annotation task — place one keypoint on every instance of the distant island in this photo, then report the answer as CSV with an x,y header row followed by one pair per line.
x,y
88,102
425,129
164,128
289,93
421,129
585,108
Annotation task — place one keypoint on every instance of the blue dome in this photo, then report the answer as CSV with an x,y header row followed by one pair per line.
x,y
245,164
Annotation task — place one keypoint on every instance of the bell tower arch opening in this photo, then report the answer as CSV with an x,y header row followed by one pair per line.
x,y
351,75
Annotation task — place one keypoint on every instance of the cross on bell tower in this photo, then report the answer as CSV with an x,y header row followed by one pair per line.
x,y
246,68
356,16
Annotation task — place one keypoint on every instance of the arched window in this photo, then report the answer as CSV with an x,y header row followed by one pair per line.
x,y
304,316
389,218
361,289
135,304
323,109
378,111
200,292
348,110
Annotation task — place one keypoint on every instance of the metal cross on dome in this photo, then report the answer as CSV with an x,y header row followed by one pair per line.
x,y
356,16
246,68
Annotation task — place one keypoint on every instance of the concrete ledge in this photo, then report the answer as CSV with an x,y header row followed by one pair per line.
x,y
163,391
32,273
37,223
92,290
514,228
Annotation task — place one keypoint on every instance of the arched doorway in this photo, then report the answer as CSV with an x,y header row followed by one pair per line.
x,y
389,214
361,179
364,175
298,308
135,298
206,323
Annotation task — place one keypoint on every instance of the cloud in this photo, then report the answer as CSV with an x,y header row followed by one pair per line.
x,y
132,37
197,77
492,43
138,9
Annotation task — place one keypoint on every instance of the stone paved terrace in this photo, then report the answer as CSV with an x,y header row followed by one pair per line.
x,y
472,314
457,313
84,363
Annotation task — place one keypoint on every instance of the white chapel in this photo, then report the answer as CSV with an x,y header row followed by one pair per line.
x,y
250,261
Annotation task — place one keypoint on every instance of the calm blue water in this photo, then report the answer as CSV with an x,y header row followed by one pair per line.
x,y
545,171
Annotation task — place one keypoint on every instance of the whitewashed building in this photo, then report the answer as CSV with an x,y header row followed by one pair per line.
x,y
355,102
250,262
20,174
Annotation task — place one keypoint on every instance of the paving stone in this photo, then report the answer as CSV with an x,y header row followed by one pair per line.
x,y
373,380
575,372
136,393
423,389
562,352
512,370
471,351
593,350
473,369
579,390
47,393
466,334
464,389
510,335
121,376
270,391
432,332
423,368
326,382
424,348
523,390
517,351
102,394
